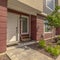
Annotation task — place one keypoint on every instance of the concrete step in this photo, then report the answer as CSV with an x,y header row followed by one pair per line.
x,y
26,43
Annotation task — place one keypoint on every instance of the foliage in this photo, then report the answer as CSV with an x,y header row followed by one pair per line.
x,y
42,43
55,51
57,46
54,18
48,49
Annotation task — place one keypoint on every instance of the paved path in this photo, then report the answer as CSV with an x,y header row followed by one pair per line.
x,y
26,53
4,57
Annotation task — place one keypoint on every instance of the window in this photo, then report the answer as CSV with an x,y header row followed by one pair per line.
x,y
47,28
24,24
50,4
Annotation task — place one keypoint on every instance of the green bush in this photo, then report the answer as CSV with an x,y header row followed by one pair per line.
x,y
42,43
49,49
55,51
57,46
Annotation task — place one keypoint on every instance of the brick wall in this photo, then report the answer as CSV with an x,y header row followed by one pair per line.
x,y
40,29
3,26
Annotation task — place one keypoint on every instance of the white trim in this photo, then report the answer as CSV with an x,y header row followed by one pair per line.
x,y
47,32
53,5
27,25
19,29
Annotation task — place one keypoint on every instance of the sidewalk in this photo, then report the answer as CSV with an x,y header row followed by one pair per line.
x,y
4,57
26,53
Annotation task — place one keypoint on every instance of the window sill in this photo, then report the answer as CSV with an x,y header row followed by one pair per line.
x,y
47,32
24,33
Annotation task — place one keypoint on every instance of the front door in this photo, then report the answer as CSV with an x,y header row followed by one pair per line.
x,y
25,35
12,28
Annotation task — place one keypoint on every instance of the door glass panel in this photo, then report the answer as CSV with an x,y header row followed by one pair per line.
x,y
24,25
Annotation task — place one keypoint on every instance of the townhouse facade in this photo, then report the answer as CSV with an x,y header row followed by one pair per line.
x,y
24,20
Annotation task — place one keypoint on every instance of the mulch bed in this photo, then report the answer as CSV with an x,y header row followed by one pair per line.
x,y
4,57
41,50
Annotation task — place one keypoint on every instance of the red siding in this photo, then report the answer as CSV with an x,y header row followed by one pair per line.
x,y
3,26
33,27
47,35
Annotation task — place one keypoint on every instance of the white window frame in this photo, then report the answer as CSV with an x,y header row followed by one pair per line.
x,y
44,29
27,25
53,5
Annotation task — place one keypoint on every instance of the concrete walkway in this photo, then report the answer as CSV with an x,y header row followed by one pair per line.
x,y
26,53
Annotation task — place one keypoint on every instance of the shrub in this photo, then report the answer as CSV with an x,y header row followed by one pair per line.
x,y
55,51
57,46
49,49
42,43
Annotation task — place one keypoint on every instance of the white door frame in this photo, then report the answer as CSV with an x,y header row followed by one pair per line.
x,y
27,25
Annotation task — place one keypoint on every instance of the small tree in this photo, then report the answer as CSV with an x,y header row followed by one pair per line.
x,y
54,18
